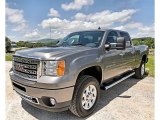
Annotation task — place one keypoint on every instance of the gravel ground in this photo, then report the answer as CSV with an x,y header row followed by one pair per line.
x,y
130,100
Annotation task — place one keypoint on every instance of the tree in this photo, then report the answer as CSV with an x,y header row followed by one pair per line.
x,y
144,41
8,44
21,44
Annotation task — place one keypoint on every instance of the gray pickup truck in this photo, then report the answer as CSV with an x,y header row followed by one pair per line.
x,y
70,74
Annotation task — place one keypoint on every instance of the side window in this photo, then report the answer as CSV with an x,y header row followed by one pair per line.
x,y
126,36
112,37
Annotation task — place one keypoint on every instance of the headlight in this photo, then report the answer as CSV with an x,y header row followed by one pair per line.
x,y
53,68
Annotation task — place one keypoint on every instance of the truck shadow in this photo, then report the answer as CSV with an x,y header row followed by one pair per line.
x,y
105,98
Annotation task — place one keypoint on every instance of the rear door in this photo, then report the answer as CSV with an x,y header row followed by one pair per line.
x,y
129,53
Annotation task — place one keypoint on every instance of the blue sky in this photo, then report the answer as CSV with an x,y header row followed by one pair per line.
x,y
32,19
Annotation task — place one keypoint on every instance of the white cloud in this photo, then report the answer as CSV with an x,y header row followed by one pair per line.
x,y
80,16
105,19
11,37
54,23
140,29
106,16
62,27
34,34
87,21
14,15
67,25
16,18
53,13
56,34
77,4
145,31
19,27
132,25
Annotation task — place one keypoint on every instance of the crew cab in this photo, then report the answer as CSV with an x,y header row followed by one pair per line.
x,y
69,75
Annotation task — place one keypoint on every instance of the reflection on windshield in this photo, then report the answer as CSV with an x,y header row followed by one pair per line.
x,y
84,38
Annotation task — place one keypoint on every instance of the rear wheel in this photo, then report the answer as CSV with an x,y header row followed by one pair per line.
x,y
140,72
85,97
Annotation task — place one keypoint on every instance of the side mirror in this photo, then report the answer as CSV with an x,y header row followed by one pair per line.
x,y
57,42
120,45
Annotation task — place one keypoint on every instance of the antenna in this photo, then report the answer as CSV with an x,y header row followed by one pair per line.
x,y
50,30
99,28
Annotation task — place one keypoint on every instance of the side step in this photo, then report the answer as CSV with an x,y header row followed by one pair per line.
x,y
115,82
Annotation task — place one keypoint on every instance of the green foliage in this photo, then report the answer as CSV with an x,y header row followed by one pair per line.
x,y
33,45
50,43
8,57
150,65
144,41
21,44
8,44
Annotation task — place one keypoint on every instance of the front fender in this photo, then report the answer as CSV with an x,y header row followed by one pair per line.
x,y
81,63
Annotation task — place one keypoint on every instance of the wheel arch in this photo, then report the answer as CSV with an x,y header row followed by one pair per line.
x,y
95,71
144,58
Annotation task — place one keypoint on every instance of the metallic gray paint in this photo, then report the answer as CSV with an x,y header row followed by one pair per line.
x,y
112,63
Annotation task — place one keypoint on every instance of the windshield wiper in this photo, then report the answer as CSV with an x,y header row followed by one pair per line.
x,y
52,45
78,44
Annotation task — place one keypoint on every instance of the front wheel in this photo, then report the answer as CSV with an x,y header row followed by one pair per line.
x,y
85,97
140,72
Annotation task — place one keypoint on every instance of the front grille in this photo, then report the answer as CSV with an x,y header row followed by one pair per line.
x,y
26,67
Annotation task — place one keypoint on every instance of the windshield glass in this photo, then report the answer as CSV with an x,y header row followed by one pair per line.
x,y
85,38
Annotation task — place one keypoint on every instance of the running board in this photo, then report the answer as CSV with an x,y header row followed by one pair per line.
x,y
107,86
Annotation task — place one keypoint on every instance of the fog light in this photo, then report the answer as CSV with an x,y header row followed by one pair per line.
x,y
52,100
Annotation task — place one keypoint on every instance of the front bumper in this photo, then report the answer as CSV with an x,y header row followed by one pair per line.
x,y
40,97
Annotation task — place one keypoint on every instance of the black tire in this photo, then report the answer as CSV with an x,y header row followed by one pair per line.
x,y
76,104
138,72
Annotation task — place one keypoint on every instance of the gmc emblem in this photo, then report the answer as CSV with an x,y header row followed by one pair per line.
x,y
19,67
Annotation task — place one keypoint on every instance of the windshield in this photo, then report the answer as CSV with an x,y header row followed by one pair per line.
x,y
85,38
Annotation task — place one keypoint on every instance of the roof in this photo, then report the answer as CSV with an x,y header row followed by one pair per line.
x,y
100,30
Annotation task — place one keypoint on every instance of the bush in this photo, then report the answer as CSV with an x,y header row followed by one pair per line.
x,y
8,57
8,44
144,41
34,45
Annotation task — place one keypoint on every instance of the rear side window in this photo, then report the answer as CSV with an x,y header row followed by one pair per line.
x,y
112,37
127,37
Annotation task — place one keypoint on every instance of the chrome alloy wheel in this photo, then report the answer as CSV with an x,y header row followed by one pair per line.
x,y
89,97
142,69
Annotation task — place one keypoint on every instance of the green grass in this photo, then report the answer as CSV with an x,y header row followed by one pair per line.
x,y
8,57
150,66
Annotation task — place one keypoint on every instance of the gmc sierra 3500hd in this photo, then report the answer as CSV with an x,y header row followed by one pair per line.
x,y
71,74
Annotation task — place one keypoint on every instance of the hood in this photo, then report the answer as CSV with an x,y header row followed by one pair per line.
x,y
50,52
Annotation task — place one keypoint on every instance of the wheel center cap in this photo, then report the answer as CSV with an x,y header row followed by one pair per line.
x,y
89,97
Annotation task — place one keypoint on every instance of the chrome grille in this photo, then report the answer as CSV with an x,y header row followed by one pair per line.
x,y
26,67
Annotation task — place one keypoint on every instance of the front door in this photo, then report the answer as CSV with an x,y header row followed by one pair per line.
x,y
112,59
129,53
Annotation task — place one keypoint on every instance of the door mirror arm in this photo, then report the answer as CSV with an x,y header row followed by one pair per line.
x,y
107,46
